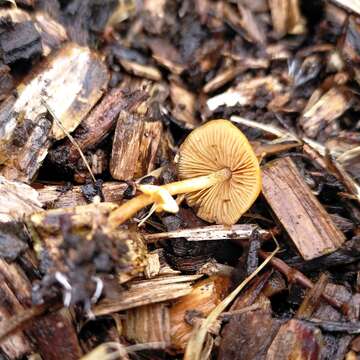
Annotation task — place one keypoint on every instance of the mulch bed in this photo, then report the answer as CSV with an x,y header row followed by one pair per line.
x,y
96,98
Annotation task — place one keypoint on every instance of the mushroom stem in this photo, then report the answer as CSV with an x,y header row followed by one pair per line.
x,y
131,207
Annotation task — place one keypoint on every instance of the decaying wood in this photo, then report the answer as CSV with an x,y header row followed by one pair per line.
x,y
61,196
54,336
17,200
327,109
245,20
252,332
338,293
329,319
52,33
167,55
295,338
202,299
244,92
149,323
286,72
13,240
135,145
312,298
161,289
146,71
18,345
157,265
70,82
19,38
318,153
213,232
6,81
221,79
275,285
184,104
49,228
97,125
308,224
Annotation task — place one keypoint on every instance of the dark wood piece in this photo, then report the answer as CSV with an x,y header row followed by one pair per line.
x,y
248,336
19,41
296,339
6,81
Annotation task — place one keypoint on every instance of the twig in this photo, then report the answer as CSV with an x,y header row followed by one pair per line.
x,y
213,232
296,276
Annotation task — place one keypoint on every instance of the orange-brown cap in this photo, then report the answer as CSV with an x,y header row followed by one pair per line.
x,y
212,147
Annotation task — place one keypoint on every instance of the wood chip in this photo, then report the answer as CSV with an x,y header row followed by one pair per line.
x,y
184,104
296,339
97,125
52,33
19,40
53,336
286,17
203,298
252,332
223,78
244,92
167,55
328,108
161,289
352,5
60,196
19,344
145,71
146,324
308,224
6,81
135,145
17,200
213,232
70,82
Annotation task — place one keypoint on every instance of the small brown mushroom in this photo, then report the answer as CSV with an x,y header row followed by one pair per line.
x,y
220,176
216,146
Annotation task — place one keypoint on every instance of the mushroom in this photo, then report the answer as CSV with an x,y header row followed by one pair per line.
x,y
219,172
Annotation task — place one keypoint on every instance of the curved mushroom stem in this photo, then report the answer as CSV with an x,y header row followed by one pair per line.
x,y
131,207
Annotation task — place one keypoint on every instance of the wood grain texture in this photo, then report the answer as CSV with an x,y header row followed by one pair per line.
x,y
53,337
135,145
149,323
145,292
295,338
70,81
308,224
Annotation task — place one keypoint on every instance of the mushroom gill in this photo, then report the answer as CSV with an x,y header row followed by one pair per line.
x,y
212,147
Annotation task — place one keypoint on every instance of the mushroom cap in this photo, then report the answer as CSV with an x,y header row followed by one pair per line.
x,y
212,147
